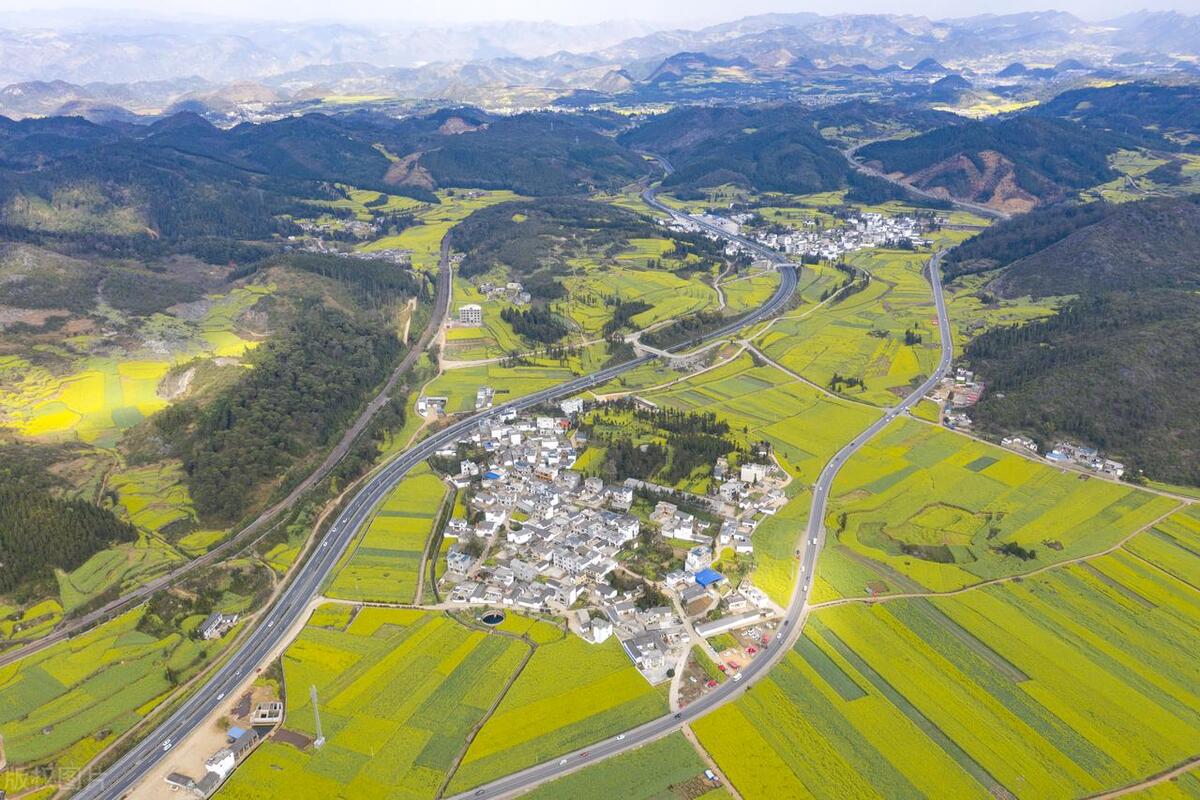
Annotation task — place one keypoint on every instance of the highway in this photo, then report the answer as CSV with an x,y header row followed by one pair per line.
x,y
306,582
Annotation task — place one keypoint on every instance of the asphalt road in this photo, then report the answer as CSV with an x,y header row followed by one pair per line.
x,y
790,625
261,522
306,582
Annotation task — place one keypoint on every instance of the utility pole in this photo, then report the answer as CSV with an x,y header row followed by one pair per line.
x,y
320,740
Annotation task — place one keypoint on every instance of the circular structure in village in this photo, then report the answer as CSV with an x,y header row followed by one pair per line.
x,y
492,618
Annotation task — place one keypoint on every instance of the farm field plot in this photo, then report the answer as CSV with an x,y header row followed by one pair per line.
x,y
744,294
31,622
425,240
385,564
536,372
154,497
400,691
650,772
1068,683
495,338
124,566
570,694
805,426
669,294
71,700
863,336
101,396
971,316
921,508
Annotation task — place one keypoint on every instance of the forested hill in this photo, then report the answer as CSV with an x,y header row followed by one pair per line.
x,y
1118,371
1015,164
31,509
1161,116
768,149
1152,243
181,179
1116,368
1147,244
535,238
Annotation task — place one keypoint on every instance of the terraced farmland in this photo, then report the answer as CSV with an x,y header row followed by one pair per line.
x,y
400,691
385,564
569,695
921,508
1074,681
68,702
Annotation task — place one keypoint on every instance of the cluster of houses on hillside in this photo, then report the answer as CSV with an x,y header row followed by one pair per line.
x,y
510,292
539,537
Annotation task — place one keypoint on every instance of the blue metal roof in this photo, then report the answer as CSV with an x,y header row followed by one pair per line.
x,y
707,577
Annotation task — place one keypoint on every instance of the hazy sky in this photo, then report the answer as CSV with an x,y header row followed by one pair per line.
x,y
682,13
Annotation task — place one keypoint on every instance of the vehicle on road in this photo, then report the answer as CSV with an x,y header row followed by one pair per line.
x,y
737,676
710,775
620,737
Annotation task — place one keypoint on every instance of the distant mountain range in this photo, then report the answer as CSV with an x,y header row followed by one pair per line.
x,y
107,69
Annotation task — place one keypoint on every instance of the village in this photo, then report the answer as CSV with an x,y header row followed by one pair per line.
x,y
857,230
539,537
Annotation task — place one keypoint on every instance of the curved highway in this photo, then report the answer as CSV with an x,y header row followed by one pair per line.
x,y
306,582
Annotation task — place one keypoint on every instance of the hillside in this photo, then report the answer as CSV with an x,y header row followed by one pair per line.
x,y
768,149
1147,244
159,188
1158,115
1119,372
1015,164
1116,368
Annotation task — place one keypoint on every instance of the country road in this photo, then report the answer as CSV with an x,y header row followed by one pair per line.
x,y
306,582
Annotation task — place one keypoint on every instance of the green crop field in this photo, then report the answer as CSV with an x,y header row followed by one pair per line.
x,y
570,694
384,565
103,395
1071,682
31,622
74,698
804,426
927,509
425,239
863,336
669,294
650,772
123,566
970,315
400,690
537,372
495,338
744,294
